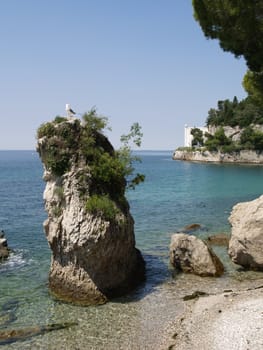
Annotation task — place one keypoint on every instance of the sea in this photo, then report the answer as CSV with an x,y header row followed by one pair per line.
x,y
174,194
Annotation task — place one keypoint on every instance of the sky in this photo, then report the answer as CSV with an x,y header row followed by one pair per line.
x,y
144,61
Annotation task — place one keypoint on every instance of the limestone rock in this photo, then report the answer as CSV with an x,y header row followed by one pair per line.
x,y
246,242
93,256
190,254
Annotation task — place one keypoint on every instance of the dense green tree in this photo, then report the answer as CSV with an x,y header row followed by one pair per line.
x,y
246,138
224,114
232,113
253,84
198,139
217,141
237,24
252,139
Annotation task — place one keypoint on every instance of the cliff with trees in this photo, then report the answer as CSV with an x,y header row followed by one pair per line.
x,y
233,126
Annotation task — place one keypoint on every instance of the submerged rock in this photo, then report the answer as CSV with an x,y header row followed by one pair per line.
x,y
89,227
191,228
8,336
8,312
218,239
195,295
246,242
190,254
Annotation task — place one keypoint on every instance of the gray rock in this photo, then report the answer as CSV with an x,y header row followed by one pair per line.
x,y
190,254
246,242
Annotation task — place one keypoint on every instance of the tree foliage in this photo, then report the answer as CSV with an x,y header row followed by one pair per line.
x,y
134,137
237,24
94,122
252,139
233,113
112,172
198,139
218,141
253,84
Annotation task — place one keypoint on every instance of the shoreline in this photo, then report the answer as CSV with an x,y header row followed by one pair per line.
x,y
232,319
246,157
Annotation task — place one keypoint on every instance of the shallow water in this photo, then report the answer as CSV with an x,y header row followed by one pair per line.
x,y
174,194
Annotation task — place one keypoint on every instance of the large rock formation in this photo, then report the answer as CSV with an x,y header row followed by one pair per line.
x,y
4,250
190,254
89,227
246,242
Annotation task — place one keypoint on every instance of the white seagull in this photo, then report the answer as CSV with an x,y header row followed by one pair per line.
x,y
69,111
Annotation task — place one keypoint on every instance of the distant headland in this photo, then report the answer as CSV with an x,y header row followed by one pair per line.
x,y
233,134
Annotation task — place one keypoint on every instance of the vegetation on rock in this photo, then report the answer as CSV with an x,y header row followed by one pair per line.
x,y
102,206
218,141
245,115
250,139
106,172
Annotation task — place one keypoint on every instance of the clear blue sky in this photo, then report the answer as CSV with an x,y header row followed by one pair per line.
x,y
143,61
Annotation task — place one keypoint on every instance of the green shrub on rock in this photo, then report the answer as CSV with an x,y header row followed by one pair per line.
x,y
102,205
104,174
46,129
218,141
58,119
252,139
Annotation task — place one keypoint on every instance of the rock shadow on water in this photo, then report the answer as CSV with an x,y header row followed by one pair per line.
x,y
157,273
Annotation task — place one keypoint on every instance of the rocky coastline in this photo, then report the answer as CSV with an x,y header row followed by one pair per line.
x,y
241,157
94,258
227,318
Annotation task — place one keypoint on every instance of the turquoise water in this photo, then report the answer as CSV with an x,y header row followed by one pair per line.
x,y
174,194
